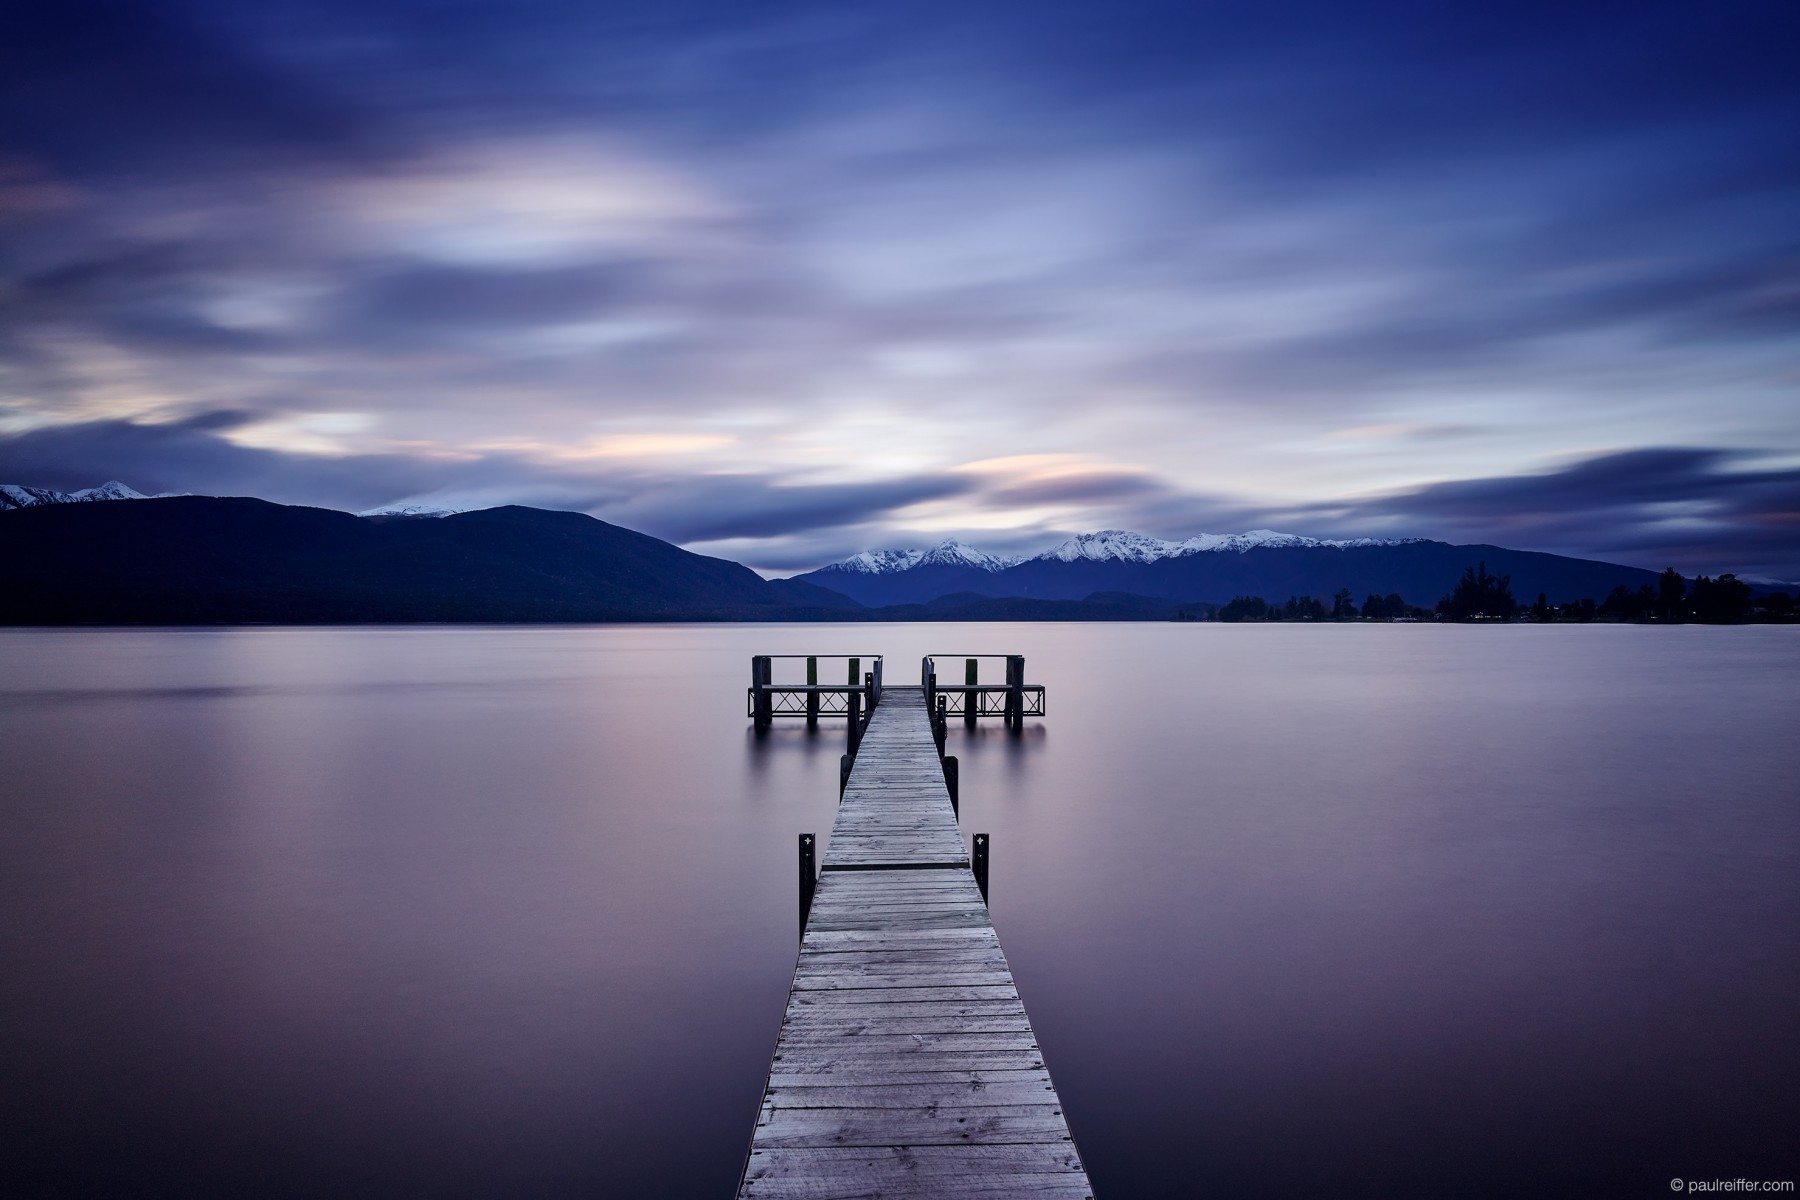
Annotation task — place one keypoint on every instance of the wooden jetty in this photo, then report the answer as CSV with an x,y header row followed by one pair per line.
x,y
906,1065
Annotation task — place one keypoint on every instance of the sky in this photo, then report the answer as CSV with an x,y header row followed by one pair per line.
x,y
785,281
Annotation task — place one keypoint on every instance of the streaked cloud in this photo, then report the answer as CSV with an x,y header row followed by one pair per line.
x,y
795,280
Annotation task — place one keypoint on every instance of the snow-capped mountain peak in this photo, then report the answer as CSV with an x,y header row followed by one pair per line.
x,y
1249,540
18,495
952,553
948,553
1112,545
410,510
880,562
112,489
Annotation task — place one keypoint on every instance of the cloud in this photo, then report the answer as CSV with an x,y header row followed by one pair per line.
x,y
205,454
772,276
1699,509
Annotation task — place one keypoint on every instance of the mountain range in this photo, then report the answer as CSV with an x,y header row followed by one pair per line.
x,y
205,559
1212,569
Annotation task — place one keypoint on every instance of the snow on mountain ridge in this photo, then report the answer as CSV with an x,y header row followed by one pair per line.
x,y
1106,545
1119,545
112,489
19,495
410,510
948,553
953,553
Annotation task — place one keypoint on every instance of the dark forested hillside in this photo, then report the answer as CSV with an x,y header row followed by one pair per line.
x,y
198,559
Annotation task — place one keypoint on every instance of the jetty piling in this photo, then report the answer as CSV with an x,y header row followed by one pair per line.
x,y
812,697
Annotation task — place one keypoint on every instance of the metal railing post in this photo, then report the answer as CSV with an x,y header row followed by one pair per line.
x,y
809,877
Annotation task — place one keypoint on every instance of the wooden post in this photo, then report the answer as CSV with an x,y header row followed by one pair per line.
x,y
844,761
762,708
812,698
855,733
855,671
1015,690
971,700
875,686
940,723
953,783
979,860
809,878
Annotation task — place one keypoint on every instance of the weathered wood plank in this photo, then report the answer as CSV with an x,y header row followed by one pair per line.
x,y
999,1172
895,1076
911,1126
833,1007
932,1024
1031,1090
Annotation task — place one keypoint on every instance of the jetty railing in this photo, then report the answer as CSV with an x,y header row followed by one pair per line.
x,y
859,693
1012,700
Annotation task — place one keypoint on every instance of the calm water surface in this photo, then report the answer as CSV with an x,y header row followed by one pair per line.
x,y
1297,911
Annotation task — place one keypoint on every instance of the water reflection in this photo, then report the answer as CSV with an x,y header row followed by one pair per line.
x,y
1296,911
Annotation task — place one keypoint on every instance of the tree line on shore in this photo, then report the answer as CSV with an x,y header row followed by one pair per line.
x,y
1479,596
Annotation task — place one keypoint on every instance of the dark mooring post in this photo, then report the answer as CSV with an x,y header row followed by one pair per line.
x,y
855,722
855,671
871,693
979,860
971,700
1015,690
953,783
762,706
940,725
809,876
812,698
844,764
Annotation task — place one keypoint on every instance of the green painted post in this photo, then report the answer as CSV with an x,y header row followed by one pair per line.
x,y
971,700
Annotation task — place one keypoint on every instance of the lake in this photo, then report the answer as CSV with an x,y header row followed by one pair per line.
x,y
1296,910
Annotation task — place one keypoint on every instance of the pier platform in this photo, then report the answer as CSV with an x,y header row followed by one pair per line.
x,y
906,1065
